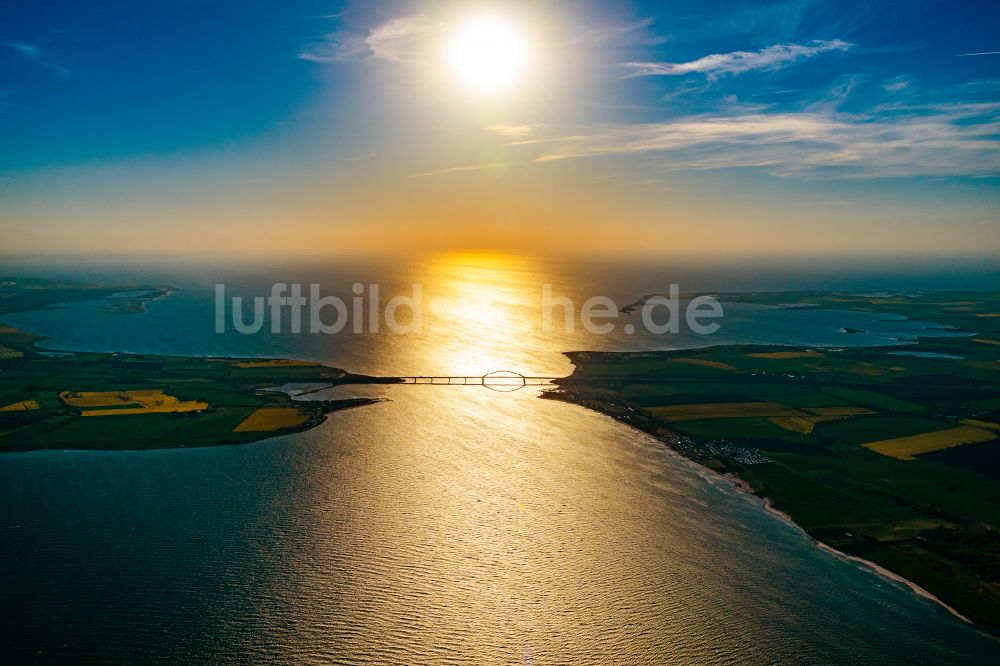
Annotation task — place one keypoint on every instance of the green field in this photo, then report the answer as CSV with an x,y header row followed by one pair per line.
x,y
932,519
223,392
231,394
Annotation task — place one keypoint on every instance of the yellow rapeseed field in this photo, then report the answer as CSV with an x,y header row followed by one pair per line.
x,y
805,424
24,405
794,423
146,401
989,425
267,419
717,410
706,363
907,448
8,352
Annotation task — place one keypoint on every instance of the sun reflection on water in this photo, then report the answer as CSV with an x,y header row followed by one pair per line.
x,y
482,315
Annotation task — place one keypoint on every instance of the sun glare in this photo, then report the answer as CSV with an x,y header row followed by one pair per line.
x,y
487,54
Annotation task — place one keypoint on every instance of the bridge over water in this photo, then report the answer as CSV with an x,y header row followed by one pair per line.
x,y
498,380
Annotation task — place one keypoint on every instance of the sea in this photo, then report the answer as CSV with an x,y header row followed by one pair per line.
x,y
445,524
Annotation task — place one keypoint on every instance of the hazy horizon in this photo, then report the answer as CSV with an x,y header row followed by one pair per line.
x,y
697,273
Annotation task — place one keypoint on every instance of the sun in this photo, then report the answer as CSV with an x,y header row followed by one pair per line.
x,y
487,54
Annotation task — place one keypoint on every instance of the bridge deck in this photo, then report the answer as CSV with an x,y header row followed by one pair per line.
x,y
470,380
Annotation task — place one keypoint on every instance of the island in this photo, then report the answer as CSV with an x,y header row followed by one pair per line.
x,y
888,454
73,400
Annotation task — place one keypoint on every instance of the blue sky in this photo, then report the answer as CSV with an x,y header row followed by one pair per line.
x,y
815,108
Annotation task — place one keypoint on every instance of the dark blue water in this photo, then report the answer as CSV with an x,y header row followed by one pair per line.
x,y
447,525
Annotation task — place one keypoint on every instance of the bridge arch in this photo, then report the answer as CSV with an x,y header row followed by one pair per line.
x,y
504,380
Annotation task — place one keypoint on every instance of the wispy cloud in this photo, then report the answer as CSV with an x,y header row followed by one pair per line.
x,y
458,169
897,84
34,53
335,47
834,96
511,131
362,157
402,39
949,140
22,48
965,55
768,59
784,17
637,33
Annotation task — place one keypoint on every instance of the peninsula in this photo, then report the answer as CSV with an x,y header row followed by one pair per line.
x,y
77,400
890,454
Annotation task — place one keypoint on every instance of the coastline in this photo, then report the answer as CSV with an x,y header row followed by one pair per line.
x,y
742,486
886,573
207,399
766,504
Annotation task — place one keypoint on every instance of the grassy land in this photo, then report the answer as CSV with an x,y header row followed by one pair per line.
x,y
52,401
892,458
19,294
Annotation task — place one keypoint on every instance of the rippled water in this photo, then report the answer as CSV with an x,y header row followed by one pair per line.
x,y
448,525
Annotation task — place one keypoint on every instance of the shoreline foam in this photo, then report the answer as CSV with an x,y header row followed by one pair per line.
x,y
744,487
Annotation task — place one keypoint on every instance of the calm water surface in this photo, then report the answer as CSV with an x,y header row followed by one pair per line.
x,y
447,525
